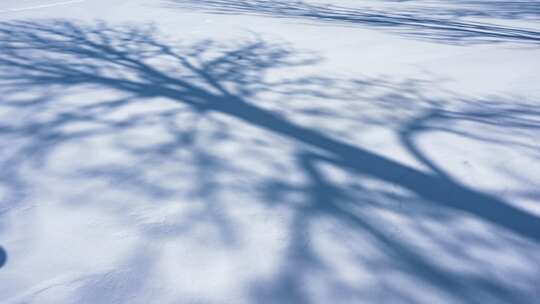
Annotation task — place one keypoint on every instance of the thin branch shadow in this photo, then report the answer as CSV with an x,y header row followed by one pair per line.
x,y
423,23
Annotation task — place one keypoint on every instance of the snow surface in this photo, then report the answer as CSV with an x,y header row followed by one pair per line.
x,y
250,151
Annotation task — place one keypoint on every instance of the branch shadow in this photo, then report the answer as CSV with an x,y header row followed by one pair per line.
x,y
420,22
499,9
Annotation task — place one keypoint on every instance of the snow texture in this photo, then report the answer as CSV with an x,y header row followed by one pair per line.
x,y
250,151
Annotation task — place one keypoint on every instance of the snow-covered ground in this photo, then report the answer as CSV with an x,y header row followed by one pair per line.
x,y
250,151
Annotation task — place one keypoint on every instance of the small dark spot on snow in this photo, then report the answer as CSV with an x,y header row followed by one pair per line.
x,y
3,257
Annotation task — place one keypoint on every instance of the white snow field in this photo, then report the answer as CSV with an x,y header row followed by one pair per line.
x,y
250,151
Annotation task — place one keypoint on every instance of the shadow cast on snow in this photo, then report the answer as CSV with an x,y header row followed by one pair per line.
x,y
3,257
209,78
498,9
424,23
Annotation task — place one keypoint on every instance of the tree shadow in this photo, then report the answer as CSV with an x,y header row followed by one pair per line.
x,y
223,84
420,22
